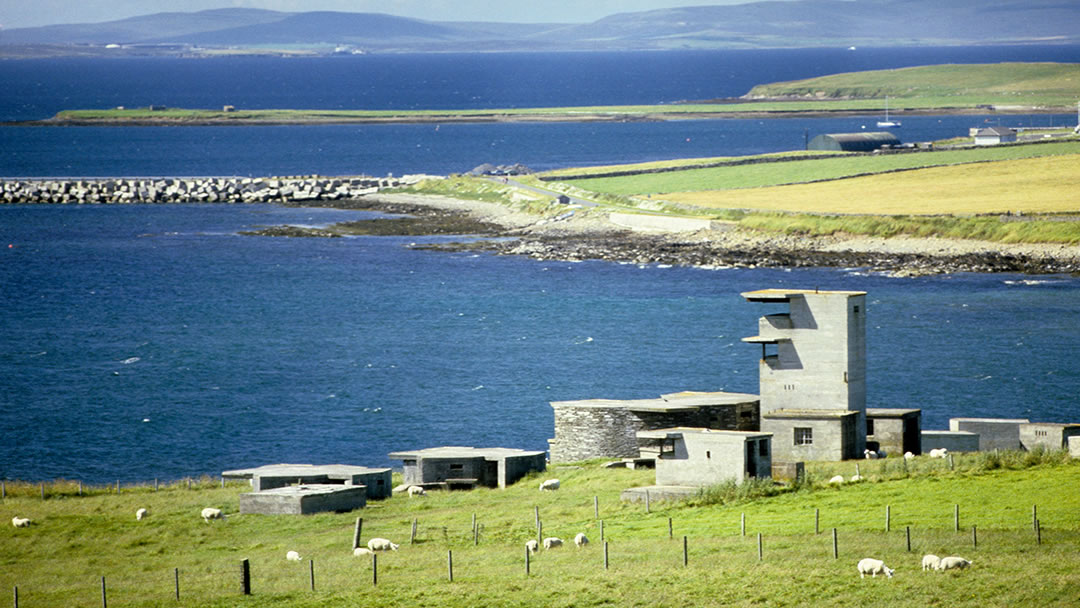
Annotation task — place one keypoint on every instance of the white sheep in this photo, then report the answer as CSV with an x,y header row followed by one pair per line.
x,y
292,556
856,478
381,544
930,562
549,484
873,567
357,552
939,453
531,546
839,479
870,454
552,543
416,491
581,540
953,563
908,455
20,522
141,514
211,513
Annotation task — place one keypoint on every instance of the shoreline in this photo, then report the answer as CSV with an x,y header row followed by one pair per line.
x,y
224,119
591,235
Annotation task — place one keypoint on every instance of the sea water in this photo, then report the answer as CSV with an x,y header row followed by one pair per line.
x,y
141,342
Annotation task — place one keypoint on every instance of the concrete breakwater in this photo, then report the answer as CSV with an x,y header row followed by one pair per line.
x,y
196,190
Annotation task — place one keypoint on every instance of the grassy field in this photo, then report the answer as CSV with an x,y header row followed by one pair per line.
x,y
75,541
1001,83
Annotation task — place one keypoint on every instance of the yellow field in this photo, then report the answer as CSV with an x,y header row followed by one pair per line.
x,y
1038,185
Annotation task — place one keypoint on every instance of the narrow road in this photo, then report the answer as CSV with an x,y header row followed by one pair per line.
x,y
512,182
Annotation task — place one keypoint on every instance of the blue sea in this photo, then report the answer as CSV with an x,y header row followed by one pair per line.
x,y
153,341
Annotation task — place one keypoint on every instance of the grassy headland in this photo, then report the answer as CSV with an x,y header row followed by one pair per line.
x,y
1006,87
59,561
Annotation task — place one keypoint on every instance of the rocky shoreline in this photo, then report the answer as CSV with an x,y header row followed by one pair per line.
x,y
592,237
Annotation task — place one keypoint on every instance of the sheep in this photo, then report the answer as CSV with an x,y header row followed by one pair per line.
x,y
939,453
873,567
870,454
141,514
951,563
531,546
581,540
552,543
839,479
381,544
292,556
908,455
549,484
856,478
357,552
21,522
211,513
930,562
416,491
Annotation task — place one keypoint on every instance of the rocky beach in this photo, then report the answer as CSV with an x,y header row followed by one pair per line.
x,y
590,235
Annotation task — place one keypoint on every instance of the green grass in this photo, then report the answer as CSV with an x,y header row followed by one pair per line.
x,y
484,190
810,169
75,541
1003,83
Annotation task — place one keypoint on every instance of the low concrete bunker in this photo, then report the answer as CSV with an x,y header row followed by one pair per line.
x,y
304,500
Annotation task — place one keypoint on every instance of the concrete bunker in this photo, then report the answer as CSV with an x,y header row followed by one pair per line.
x,y
456,467
376,481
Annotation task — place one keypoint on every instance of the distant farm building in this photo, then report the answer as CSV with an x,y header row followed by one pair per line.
x,y
992,136
853,142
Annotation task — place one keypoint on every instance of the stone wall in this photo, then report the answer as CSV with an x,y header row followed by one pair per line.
x,y
195,190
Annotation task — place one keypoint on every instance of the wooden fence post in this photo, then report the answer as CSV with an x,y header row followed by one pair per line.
x,y
104,600
155,484
450,565
356,533
907,531
742,523
1038,532
605,555
80,487
888,517
374,569
536,515
311,573
245,577
670,532
16,596
817,521
1034,516
540,532
685,552
412,535
974,538
527,555
601,530
760,548
956,518
176,582
835,546
596,507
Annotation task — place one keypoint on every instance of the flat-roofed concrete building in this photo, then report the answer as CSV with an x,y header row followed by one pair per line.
x,y
1050,435
953,441
812,373
994,433
376,481
894,431
701,457
607,428
465,467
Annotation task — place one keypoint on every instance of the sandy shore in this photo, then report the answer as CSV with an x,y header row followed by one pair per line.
x,y
590,234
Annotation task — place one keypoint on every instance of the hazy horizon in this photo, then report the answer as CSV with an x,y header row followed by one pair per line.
x,y
19,14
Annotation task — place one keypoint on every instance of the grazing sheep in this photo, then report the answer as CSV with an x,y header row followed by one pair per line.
x,y
856,478
531,546
20,522
552,543
953,563
141,514
292,556
930,562
211,513
873,567
357,552
381,544
908,455
549,484
581,540
839,479
870,454
416,491
938,453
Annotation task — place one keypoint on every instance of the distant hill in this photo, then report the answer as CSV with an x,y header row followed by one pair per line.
x,y
798,23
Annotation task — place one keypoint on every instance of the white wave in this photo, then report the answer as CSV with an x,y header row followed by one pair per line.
x,y
130,360
478,387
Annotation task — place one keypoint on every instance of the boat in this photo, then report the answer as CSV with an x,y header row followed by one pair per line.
x,y
888,124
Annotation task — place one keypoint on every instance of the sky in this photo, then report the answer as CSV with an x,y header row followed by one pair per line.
x,y
31,13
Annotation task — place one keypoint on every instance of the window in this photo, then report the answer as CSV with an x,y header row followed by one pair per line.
x,y
708,454
804,436
869,426
457,467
